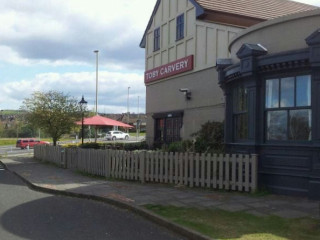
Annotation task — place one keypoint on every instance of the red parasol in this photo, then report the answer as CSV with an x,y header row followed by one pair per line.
x,y
102,121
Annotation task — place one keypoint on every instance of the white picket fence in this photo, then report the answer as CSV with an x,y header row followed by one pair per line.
x,y
230,171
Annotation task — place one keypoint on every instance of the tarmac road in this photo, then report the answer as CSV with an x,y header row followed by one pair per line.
x,y
13,151
26,214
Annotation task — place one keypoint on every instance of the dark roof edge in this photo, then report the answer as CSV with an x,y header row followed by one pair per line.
x,y
143,40
199,12
199,9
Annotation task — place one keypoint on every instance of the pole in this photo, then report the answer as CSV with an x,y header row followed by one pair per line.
x,y
138,122
82,132
82,103
95,129
96,52
128,111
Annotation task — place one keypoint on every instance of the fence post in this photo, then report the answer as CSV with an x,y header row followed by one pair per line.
x,y
63,158
107,163
254,172
142,156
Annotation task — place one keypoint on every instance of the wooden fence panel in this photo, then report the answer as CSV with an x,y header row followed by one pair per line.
x,y
209,169
230,172
171,170
187,175
227,172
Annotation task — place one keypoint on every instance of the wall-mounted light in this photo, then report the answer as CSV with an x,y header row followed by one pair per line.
x,y
186,92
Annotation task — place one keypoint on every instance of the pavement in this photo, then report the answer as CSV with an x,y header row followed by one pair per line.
x,y
134,195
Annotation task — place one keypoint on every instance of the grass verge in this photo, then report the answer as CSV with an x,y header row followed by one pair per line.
x,y
220,224
8,141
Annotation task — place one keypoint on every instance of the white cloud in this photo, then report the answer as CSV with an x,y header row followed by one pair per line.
x,y
112,89
311,2
50,31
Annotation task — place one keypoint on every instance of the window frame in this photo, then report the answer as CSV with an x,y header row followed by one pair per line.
x,y
180,27
287,109
237,113
156,39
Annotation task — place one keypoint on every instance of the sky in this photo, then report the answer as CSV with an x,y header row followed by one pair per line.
x,y
48,45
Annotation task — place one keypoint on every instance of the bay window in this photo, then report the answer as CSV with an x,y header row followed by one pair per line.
x,y
288,108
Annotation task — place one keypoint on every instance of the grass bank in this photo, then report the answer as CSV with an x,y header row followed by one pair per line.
x,y
220,224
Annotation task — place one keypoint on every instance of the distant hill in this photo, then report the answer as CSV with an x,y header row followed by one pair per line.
x,y
10,115
11,112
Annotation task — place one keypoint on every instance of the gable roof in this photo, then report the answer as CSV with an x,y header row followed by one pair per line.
x,y
242,12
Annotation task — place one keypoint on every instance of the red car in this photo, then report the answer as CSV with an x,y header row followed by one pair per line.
x,y
28,142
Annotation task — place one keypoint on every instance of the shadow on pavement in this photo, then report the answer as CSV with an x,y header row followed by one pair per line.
x,y
62,218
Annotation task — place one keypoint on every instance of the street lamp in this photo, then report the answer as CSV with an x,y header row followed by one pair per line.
x,y
82,104
95,129
96,52
128,111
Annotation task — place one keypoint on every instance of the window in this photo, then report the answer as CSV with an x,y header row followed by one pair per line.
x,y
240,112
156,43
168,129
180,27
288,108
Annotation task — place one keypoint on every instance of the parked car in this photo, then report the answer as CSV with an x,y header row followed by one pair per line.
x,y
115,135
29,142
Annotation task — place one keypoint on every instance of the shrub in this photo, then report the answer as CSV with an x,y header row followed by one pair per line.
x,y
181,146
210,138
117,145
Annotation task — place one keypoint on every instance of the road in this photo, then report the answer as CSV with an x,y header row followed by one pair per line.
x,y
26,214
12,150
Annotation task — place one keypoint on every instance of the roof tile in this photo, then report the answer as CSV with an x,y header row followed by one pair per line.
x,y
261,9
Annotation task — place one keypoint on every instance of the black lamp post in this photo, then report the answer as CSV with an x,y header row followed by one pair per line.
x,y
82,103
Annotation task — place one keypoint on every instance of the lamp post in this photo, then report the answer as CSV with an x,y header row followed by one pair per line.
x,y
95,129
138,121
128,107
96,52
82,104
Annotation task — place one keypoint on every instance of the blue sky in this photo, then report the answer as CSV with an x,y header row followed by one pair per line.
x,y
47,45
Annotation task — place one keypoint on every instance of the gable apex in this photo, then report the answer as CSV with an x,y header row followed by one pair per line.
x,y
199,12
314,38
248,49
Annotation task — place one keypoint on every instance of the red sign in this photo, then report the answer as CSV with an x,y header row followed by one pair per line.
x,y
170,69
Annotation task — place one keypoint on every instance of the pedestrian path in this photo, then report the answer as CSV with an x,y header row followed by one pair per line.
x,y
137,194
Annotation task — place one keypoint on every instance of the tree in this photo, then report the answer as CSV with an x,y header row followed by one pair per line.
x,y
53,112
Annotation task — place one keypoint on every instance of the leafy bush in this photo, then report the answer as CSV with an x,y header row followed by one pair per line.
x,y
210,138
91,145
182,146
117,145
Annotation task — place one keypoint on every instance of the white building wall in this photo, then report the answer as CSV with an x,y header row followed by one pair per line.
x,y
206,41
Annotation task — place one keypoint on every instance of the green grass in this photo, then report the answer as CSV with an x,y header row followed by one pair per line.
x,y
8,141
12,141
134,134
220,224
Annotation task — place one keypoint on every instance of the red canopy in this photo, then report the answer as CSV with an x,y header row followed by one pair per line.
x,y
103,121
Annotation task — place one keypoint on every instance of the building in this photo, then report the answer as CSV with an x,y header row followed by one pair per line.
x,y
182,41
272,85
